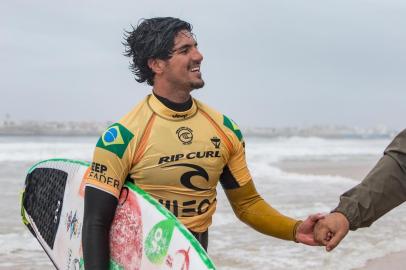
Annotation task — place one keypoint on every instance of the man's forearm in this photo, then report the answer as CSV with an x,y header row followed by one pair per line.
x,y
99,213
255,212
383,188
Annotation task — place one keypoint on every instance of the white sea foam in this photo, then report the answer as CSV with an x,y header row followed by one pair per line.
x,y
273,150
33,151
263,153
232,244
262,169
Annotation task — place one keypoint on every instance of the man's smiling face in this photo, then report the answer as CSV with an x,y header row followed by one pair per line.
x,y
183,68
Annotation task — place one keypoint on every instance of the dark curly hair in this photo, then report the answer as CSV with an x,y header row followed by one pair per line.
x,y
152,38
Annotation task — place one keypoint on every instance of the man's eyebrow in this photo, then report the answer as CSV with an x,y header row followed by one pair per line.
x,y
185,46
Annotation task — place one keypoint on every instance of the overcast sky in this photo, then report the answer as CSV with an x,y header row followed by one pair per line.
x,y
266,63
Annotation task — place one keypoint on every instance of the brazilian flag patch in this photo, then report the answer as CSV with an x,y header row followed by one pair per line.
x,y
233,126
115,139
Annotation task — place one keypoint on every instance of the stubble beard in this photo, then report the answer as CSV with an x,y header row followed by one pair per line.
x,y
197,85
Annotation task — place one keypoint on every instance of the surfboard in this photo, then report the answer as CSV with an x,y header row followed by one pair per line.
x,y
143,235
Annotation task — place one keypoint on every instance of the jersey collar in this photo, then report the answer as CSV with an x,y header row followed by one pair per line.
x,y
159,108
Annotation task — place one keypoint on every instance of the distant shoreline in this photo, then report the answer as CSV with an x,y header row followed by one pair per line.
x,y
246,135
54,128
51,135
72,128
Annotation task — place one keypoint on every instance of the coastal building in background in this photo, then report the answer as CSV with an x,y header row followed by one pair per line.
x,y
11,127
52,128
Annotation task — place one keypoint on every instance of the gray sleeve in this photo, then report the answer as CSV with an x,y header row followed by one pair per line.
x,y
383,188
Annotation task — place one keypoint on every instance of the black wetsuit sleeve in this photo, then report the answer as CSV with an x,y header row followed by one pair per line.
x,y
99,212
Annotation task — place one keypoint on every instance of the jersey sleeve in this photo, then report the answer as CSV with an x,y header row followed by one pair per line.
x,y
235,173
111,160
383,188
247,204
251,209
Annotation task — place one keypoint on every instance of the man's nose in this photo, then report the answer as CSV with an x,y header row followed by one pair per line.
x,y
197,56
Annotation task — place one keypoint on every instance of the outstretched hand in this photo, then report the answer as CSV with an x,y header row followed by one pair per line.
x,y
304,232
331,230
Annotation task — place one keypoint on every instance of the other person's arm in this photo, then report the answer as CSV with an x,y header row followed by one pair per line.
x,y
383,189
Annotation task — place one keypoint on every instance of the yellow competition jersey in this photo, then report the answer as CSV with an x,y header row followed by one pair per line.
x,y
177,157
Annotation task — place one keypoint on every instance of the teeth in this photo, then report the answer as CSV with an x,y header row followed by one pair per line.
x,y
195,69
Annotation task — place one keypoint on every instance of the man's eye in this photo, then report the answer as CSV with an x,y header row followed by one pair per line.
x,y
183,51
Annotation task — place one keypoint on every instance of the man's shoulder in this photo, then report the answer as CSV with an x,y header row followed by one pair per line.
x,y
207,109
223,121
136,119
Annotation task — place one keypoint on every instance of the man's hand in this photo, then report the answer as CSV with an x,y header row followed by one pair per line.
x,y
331,230
304,232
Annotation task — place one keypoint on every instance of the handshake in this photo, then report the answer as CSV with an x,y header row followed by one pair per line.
x,y
382,189
325,230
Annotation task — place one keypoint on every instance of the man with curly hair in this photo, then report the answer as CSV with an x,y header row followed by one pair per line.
x,y
175,148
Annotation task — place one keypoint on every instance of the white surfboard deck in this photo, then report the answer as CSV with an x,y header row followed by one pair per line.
x,y
144,235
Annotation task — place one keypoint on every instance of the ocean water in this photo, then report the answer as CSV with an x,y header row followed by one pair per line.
x,y
232,244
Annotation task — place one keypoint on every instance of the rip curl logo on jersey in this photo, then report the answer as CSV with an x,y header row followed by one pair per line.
x,y
233,126
115,139
186,178
190,155
216,142
185,135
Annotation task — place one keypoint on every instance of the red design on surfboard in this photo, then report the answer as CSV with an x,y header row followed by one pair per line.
x,y
126,232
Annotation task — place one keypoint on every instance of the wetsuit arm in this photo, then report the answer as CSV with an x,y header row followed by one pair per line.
x,y
383,188
111,162
251,209
99,212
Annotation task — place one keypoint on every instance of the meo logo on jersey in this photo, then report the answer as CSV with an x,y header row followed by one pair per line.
x,y
115,139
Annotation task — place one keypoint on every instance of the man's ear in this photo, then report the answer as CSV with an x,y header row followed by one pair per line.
x,y
157,65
